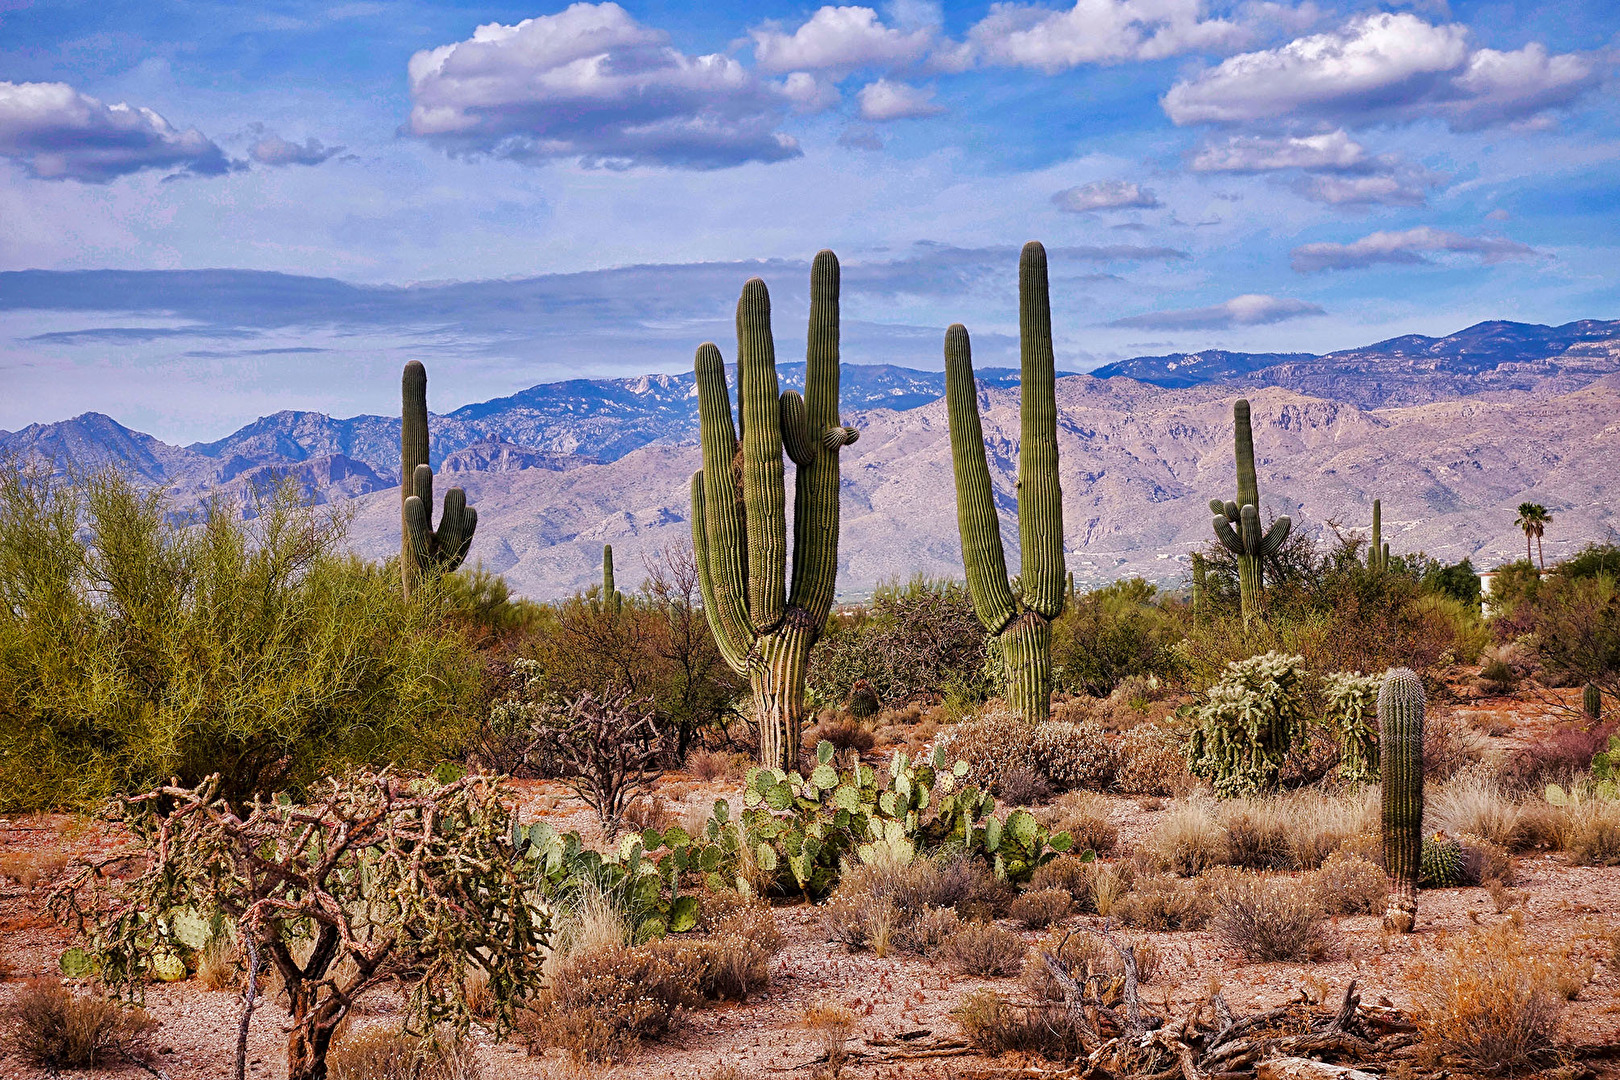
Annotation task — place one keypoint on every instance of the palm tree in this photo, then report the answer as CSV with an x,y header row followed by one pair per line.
x,y
1533,519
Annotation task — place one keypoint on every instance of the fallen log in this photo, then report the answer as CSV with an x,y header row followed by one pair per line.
x,y
1302,1068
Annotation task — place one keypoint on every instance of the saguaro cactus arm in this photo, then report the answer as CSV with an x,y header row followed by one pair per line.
x,y
1040,496
720,511
1237,524
422,548
1400,728
982,556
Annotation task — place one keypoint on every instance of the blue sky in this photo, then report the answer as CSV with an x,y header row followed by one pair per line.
x,y
1265,176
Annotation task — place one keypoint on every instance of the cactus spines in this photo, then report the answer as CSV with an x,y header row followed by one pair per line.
x,y
1377,551
739,513
423,549
1020,623
610,595
1592,703
1441,862
1247,540
1400,730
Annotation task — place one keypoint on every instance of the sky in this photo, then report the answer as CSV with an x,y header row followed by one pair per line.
x,y
281,202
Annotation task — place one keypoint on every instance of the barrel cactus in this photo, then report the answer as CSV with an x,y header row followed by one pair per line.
x,y
863,700
739,517
1440,863
1400,730
1237,524
1018,620
423,549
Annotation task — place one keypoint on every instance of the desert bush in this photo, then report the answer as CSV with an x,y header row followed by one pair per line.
x,y
874,902
1588,826
1074,755
1574,623
1348,884
1248,723
842,732
1081,955
55,1028
832,1025
1084,816
994,1025
1492,999
859,920
1070,874
1109,884
1151,762
968,886
1559,756
1271,919
1486,863
1036,909
136,647
1257,833
1120,631
1352,714
911,642
983,949
1473,802
924,932
1023,787
1450,745
1163,903
1187,841
718,764
380,1053
31,869
599,1002
995,744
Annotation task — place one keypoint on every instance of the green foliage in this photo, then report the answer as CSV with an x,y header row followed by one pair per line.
x,y
482,604
1247,724
1110,634
135,647
911,642
1352,713
1460,581
1592,561
642,878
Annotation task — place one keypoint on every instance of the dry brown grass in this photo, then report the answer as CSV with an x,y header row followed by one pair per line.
x,y
1492,999
983,949
1589,828
1037,909
832,1025
1164,903
709,765
216,964
1348,884
55,1028
600,1002
1082,954
1084,816
994,1026
1473,802
1151,762
31,869
1188,840
1270,919
382,1053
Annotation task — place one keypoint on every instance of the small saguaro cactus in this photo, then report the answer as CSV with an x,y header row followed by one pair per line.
x,y
424,549
739,520
611,597
1378,551
1592,703
1200,587
1019,624
1400,736
1237,524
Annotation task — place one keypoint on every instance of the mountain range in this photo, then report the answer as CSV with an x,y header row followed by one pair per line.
x,y
1450,432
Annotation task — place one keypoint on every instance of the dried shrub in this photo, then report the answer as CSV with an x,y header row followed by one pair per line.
x,y
1257,833
31,869
1074,755
859,920
967,885
846,733
1492,999
1039,908
1556,757
1485,863
732,914
832,1025
995,745
1348,884
1081,955
378,1053
1589,828
1271,919
216,964
924,932
1163,903
1023,787
709,765
1472,802
1069,873
1084,815
55,1028
609,749
996,1026
983,949
648,812
1188,840
1150,762
600,1002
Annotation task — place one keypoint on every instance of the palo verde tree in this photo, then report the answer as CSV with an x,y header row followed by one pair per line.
x,y
1237,524
739,518
423,549
1019,624
377,879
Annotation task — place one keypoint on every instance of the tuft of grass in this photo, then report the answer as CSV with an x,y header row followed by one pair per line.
x,y
1491,999
1474,803
52,1027
1039,908
1164,903
216,964
31,869
1084,816
995,1025
1589,828
983,949
832,1025
381,1053
1348,884
1271,919
1187,841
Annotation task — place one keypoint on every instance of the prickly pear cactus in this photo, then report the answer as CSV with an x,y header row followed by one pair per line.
x,y
167,964
1441,862
77,964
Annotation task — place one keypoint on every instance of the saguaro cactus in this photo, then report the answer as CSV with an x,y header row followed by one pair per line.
x,y
611,596
1019,625
423,549
1592,703
739,520
1378,551
1247,540
1200,587
1400,735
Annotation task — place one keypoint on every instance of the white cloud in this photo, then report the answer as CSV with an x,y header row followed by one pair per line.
x,y
843,38
271,149
1384,66
1409,189
808,93
885,100
1104,195
1333,150
1249,310
592,83
1098,31
57,133
1404,247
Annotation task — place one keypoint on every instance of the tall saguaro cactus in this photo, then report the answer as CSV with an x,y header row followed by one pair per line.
x,y
1400,736
424,549
1378,551
1020,625
1237,524
1200,587
739,519
610,594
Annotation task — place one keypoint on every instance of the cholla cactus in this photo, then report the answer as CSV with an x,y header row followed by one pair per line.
x,y
1247,724
1352,712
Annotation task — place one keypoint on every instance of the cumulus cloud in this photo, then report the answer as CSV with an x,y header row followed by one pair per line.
x,y
1333,150
1104,195
592,83
1098,31
271,149
1410,246
1252,309
56,133
1378,67
844,38
885,100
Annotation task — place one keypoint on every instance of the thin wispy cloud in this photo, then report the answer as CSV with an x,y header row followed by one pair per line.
x,y
1249,310
1413,246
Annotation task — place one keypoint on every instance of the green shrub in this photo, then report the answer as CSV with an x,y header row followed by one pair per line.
x,y
911,642
135,647
1120,631
1248,723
